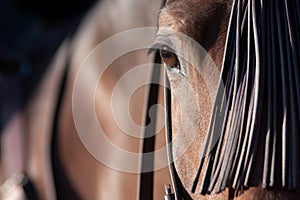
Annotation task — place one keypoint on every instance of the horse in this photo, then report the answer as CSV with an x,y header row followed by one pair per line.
x,y
231,97
58,162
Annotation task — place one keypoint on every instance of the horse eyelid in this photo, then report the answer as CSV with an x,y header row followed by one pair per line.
x,y
166,48
160,46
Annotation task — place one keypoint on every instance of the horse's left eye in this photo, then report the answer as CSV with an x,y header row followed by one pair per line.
x,y
170,59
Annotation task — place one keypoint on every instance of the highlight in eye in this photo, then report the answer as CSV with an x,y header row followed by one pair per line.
x,y
170,59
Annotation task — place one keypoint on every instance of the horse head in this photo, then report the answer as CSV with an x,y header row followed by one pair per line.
x,y
233,104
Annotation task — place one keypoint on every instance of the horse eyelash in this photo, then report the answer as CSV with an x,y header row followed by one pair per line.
x,y
161,46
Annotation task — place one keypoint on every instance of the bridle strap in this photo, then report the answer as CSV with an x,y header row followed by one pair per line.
x,y
179,190
146,178
169,135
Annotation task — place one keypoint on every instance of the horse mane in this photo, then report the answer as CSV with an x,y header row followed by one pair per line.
x,y
256,116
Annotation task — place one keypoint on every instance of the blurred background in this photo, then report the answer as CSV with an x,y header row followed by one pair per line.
x,y
31,32
30,35
42,44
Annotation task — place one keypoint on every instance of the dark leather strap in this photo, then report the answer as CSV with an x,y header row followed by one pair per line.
x,y
146,178
180,192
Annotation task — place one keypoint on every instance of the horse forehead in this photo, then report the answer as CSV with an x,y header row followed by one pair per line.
x,y
194,8
168,2
188,16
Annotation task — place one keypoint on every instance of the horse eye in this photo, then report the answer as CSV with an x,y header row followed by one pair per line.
x,y
170,59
